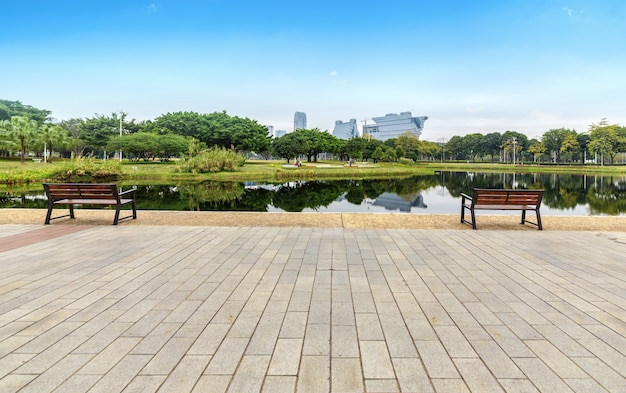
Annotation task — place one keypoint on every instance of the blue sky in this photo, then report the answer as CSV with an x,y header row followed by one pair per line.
x,y
471,66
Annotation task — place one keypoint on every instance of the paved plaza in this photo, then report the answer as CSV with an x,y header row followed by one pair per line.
x,y
101,308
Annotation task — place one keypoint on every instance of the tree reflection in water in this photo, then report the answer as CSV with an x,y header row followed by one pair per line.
x,y
601,194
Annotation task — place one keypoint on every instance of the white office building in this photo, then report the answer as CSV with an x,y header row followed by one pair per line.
x,y
346,130
393,125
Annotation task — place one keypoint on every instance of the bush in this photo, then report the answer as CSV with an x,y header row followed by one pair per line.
x,y
213,160
86,169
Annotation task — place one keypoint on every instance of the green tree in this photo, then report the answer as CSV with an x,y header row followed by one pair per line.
x,y
455,148
51,136
290,146
537,149
21,129
370,146
98,130
603,139
317,142
354,148
171,145
74,128
8,109
514,141
409,142
472,146
216,129
491,144
570,144
553,140
140,145
431,150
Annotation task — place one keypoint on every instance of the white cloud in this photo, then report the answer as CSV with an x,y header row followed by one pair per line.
x,y
568,11
152,8
333,73
476,109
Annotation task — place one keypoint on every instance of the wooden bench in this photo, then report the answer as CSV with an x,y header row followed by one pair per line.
x,y
499,199
88,194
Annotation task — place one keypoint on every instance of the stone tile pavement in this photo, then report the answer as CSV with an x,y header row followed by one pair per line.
x,y
259,309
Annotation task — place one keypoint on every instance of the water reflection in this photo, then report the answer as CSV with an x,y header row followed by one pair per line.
x,y
440,194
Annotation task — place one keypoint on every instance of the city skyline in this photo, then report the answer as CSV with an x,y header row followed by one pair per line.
x,y
483,66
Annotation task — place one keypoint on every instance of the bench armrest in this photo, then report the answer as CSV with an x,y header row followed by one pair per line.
x,y
465,196
132,190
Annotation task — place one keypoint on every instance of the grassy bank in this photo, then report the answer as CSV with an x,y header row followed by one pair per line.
x,y
12,172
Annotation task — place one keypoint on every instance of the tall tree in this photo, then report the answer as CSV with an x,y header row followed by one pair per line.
x,y
21,129
74,129
52,135
290,146
553,140
604,139
8,109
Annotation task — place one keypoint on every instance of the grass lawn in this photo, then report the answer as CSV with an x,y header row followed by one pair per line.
x,y
12,172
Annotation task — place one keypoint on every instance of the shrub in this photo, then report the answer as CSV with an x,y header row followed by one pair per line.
x,y
212,160
85,169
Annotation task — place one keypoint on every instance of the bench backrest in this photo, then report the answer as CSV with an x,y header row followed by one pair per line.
x,y
486,196
59,191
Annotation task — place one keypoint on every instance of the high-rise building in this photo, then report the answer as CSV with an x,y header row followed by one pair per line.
x,y
299,121
347,130
279,133
393,125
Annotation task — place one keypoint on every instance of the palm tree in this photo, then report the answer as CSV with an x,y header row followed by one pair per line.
x,y
52,135
22,129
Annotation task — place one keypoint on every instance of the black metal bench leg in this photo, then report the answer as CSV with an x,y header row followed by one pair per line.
x,y
539,226
117,214
48,215
523,217
473,219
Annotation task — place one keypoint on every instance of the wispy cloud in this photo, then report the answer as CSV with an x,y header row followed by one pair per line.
x,y
568,11
152,8
476,109
333,73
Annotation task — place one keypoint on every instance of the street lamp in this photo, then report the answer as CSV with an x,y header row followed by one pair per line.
x,y
514,143
121,116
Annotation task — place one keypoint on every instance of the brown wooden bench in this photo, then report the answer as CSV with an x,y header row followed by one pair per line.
x,y
88,194
499,199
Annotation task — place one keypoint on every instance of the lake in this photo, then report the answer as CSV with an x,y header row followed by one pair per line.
x,y
434,194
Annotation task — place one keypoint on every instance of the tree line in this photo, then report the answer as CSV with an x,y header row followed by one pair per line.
x,y
602,142
27,129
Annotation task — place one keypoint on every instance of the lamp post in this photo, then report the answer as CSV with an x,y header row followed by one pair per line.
x,y
514,143
121,117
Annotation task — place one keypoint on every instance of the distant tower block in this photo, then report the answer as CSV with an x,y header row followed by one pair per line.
x,y
299,121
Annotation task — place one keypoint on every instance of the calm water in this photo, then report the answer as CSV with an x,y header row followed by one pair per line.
x,y
438,194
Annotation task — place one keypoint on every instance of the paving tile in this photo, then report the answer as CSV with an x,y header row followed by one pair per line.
x,y
249,375
279,384
325,309
541,375
346,375
286,357
376,360
411,375
314,375
227,357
